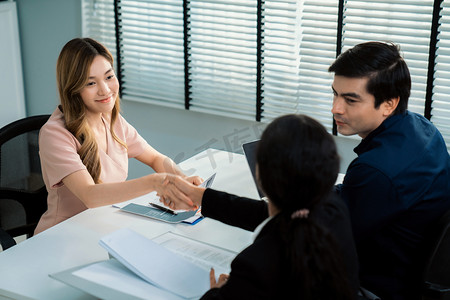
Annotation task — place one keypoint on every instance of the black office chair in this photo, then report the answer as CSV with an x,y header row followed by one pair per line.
x,y
437,270
6,241
23,196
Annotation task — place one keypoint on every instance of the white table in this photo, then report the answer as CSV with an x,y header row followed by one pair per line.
x,y
24,268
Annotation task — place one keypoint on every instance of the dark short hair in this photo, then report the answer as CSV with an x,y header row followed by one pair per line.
x,y
297,162
384,66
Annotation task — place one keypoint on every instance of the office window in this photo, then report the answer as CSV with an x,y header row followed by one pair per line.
x,y
258,59
151,44
441,88
152,51
222,54
405,22
98,23
299,46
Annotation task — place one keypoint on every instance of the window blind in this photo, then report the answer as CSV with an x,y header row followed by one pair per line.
x,y
98,23
151,43
405,22
222,57
299,46
152,46
441,91
206,55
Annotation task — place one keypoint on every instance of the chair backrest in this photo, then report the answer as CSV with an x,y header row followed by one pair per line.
x,y
23,195
437,269
6,241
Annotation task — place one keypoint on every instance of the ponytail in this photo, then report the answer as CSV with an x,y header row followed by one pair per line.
x,y
316,266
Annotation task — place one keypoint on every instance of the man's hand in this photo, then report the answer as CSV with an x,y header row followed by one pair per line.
x,y
192,192
170,193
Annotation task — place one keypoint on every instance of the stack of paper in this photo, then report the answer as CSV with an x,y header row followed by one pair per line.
x,y
170,267
155,264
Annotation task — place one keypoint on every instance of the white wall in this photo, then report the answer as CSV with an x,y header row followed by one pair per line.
x,y
12,100
44,26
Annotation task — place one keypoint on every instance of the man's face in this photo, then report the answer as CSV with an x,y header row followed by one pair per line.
x,y
354,108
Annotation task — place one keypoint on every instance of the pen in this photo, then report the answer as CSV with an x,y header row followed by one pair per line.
x,y
164,209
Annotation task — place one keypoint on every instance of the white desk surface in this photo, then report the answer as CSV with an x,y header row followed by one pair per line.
x,y
24,268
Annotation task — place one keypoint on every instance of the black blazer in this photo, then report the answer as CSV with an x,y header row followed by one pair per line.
x,y
257,272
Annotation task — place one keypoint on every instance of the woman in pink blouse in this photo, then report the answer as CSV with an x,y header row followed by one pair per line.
x,y
85,145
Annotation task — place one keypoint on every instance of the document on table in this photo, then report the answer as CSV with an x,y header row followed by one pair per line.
x,y
170,266
110,280
155,264
144,206
199,253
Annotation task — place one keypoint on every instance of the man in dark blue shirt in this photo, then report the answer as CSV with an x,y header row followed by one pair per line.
x,y
399,184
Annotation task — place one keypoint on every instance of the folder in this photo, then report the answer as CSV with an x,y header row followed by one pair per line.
x,y
170,267
143,206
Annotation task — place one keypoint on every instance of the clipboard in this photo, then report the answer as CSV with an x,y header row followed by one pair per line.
x,y
167,214
155,213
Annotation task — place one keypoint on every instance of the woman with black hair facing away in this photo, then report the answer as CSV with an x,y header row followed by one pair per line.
x,y
303,246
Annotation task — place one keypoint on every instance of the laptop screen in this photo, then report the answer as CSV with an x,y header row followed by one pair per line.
x,y
250,155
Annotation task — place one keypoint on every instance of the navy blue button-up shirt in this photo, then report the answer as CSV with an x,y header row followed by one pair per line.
x,y
395,189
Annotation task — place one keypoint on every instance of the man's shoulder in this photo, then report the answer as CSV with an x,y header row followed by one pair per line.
x,y
419,123
406,124
413,128
407,139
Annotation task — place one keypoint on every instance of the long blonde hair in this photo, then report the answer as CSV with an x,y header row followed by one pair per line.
x,y
72,74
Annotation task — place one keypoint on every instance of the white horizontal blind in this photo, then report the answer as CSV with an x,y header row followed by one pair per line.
x,y
404,22
222,57
441,91
281,57
98,23
317,53
299,46
152,51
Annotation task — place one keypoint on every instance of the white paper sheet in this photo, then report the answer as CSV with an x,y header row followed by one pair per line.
x,y
156,264
112,274
202,254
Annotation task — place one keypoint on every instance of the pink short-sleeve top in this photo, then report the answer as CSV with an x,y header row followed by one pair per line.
x,y
59,158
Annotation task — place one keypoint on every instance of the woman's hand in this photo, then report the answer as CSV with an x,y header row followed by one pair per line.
x,y
169,192
193,192
219,283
